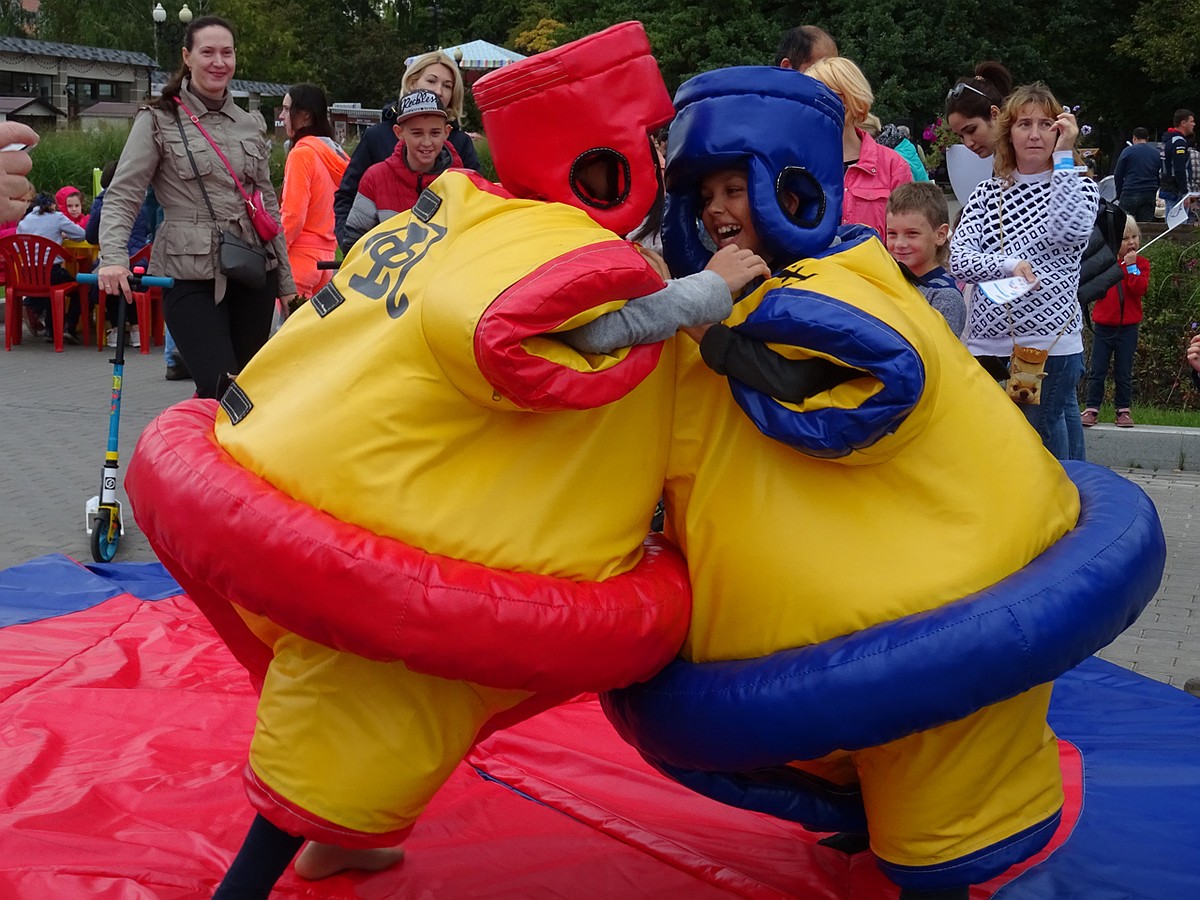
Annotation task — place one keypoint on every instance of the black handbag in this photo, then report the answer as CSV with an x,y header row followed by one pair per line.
x,y
239,260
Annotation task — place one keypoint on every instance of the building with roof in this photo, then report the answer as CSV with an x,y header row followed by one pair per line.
x,y
107,113
48,84
71,77
31,111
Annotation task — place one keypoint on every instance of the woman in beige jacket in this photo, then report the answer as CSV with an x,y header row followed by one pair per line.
x,y
218,324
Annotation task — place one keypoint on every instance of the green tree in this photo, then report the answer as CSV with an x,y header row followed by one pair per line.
x,y
116,24
686,38
541,37
1163,39
271,36
14,20
371,66
495,21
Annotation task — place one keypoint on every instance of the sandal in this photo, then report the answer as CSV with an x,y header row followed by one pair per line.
x,y
1088,417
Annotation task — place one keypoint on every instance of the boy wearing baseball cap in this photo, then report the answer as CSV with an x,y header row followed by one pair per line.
x,y
421,155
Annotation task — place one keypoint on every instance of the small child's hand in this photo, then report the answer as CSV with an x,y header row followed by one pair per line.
x,y
1131,258
737,267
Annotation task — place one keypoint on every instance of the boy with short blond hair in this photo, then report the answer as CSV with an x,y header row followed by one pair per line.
x,y
918,236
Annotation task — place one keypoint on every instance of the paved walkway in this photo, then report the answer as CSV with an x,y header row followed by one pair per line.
x,y
54,428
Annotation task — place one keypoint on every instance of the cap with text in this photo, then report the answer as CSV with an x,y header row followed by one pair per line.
x,y
420,103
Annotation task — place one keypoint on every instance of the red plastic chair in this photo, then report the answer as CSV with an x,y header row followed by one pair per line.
x,y
29,260
149,305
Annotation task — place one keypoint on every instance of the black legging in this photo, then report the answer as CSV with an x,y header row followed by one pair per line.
x,y
218,339
264,856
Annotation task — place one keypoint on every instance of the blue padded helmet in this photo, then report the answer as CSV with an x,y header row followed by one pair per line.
x,y
786,128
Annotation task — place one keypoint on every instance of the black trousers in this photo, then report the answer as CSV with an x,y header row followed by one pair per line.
x,y
218,339
1139,205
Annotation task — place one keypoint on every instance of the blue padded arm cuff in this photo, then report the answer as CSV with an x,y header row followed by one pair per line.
x,y
816,322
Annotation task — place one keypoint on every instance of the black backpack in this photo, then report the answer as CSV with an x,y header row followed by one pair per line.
x,y
1100,268
1167,179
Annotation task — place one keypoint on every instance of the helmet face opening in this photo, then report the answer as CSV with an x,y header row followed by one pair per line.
x,y
601,178
807,192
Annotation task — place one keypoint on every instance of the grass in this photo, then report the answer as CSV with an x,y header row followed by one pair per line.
x,y
1148,415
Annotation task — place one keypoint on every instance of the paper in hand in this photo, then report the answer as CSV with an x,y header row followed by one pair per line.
x,y
1004,290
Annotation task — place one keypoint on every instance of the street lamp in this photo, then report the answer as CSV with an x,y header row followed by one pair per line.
x,y
174,32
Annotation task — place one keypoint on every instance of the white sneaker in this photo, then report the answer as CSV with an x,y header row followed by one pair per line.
x,y
135,337
111,340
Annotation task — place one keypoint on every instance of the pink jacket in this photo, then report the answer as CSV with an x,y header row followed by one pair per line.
x,y
870,181
60,197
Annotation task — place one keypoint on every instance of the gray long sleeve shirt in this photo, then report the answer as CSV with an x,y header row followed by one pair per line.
x,y
685,302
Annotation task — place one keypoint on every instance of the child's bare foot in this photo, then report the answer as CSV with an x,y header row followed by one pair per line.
x,y
317,861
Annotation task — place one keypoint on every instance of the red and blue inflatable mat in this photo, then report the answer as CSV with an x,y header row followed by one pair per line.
x,y
125,724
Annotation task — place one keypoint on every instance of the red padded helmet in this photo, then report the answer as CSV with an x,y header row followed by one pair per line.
x,y
558,120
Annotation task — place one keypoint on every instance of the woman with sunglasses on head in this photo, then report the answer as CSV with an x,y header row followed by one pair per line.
x,y
218,322
973,106
1032,220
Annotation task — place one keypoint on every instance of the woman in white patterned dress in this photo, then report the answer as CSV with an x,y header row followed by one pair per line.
x,y
1032,220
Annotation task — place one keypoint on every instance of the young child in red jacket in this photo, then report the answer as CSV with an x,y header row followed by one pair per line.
x,y
1116,319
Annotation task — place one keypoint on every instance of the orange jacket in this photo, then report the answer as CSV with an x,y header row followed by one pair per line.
x,y
312,173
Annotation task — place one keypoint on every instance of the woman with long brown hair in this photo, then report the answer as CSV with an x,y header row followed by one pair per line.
x,y
973,106
218,322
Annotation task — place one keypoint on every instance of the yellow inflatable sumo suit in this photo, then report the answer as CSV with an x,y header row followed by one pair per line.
x,y
428,409
414,442
886,572
930,513
428,511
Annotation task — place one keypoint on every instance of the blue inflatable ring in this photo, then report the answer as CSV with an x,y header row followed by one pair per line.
x,y
909,675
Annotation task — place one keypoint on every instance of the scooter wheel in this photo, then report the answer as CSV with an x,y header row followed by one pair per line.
x,y
104,546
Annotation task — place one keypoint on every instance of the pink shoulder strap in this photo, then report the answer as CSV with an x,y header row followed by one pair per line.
x,y
213,144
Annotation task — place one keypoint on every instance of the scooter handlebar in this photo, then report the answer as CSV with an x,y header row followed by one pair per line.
x,y
136,282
